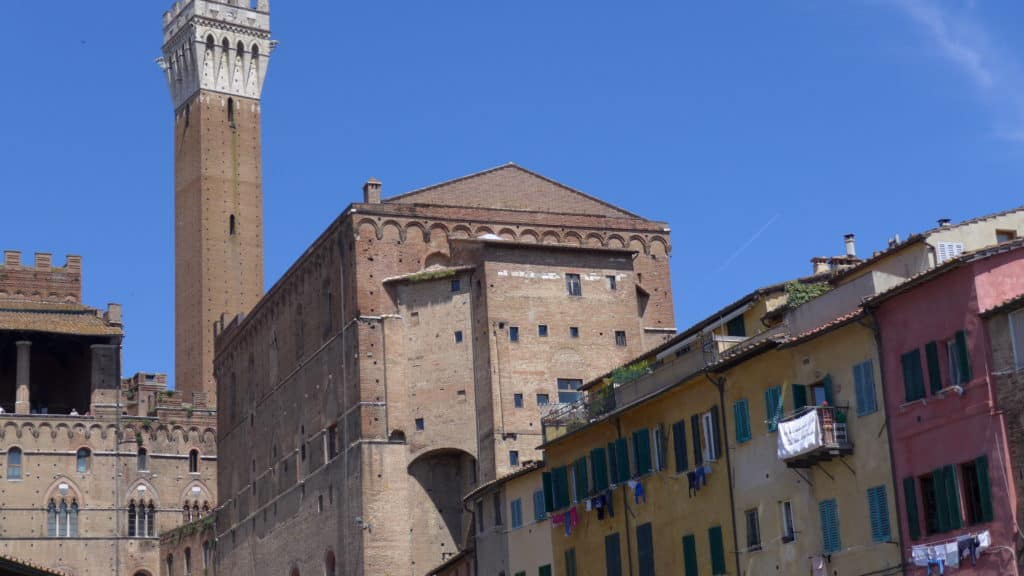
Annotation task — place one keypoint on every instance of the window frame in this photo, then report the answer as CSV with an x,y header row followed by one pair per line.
x,y
708,437
753,524
82,460
513,333
574,391
788,522
542,330
516,513
620,338
613,282
15,470
546,399
574,285
518,400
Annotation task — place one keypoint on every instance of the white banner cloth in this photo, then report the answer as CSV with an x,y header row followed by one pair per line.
x,y
799,436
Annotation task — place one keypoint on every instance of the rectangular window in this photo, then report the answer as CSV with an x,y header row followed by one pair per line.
x,y
613,283
864,388
709,424
479,511
570,562
753,530
788,528
946,495
420,424
929,500
741,415
642,451
913,381
959,361
543,400
1005,236
1017,337
568,390
332,442
910,501
717,545
458,336
977,492
736,327
513,333
773,407
14,464
513,457
517,513
698,443
620,337
679,446
931,358
690,555
497,509
574,332
517,400
539,508
948,250
612,555
456,285
542,330
645,549
878,512
831,542
544,570
573,285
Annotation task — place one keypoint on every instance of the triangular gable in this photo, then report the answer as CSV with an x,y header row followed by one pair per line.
x,y
511,187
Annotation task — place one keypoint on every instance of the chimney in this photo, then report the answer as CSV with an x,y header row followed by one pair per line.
x,y
943,222
113,315
820,265
12,258
851,245
371,191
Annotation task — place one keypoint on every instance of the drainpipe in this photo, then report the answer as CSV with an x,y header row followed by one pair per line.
x,y
625,508
720,385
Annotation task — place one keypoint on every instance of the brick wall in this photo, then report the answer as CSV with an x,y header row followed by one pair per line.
x,y
41,282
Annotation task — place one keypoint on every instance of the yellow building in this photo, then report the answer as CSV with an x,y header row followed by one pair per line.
x,y
822,496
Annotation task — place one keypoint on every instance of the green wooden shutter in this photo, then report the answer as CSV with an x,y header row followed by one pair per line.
x,y
679,446
622,456
878,512
661,447
830,395
560,485
645,549
799,397
953,498
698,454
931,352
864,379
549,493
714,444
742,418
830,539
913,386
965,360
910,497
941,501
773,407
984,489
544,570
612,555
690,555
642,451
613,465
599,467
582,488
717,550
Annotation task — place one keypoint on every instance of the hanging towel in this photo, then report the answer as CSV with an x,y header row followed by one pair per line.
x,y
639,494
557,519
701,475
588,505
919,554
984,540
818,567
967,546
952,554
632,484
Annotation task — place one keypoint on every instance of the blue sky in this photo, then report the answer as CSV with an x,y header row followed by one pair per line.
x,y
762,132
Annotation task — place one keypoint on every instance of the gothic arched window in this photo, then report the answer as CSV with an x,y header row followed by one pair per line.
x,y
14,464
82,460
132,520
231,111
193,461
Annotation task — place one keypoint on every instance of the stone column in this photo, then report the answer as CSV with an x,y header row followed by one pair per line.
x,y
22,404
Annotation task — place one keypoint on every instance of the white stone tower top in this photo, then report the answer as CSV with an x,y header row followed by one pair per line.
x,y
216,45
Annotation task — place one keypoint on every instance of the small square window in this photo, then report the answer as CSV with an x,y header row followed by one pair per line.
x,y
458,336
517,399
1005,235
788,530
420,425
457,285
513,457
613,283
542,330
620,337
543,400
753,531
513,333
573,285
574,331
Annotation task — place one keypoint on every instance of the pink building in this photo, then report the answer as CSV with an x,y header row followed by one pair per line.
x,y
951,463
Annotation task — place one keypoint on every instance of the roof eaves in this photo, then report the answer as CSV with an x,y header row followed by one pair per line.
x,y
522,471
1006,305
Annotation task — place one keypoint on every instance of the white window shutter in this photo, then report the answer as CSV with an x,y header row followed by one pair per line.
x,y
949,250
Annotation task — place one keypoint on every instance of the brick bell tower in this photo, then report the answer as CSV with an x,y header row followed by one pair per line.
x,y
215,57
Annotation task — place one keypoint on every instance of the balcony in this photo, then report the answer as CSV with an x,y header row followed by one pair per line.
x,y
812,435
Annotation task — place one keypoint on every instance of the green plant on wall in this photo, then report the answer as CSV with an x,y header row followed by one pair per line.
x,y
634,371
798,293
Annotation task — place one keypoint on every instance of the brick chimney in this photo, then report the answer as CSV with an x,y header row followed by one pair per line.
x,y
371,191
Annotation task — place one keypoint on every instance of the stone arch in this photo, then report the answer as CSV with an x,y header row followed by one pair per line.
x,y
209,436
660,246
594,240
30,428
481,230
508,234
65,429
638,244
414,231
94,430
150,493
439,477
439,230
436,259
45,429
63,483
392,231
573,238
367,228
529,236
551,237
461,231
616,241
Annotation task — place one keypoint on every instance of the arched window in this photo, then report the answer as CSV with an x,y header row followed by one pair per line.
x,y
206,554
62,519
209,42
193,461
142,463
132,520
170,565
255,52
141,518
186,515
150,520
231,225
231,111
240,49
82,460
226,46
51,519
14,464
73,520
188,561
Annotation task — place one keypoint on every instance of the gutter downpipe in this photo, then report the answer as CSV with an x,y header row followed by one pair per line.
x,y
625,507
720,385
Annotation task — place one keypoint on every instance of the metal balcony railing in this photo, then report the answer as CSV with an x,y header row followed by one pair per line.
x,y
813,434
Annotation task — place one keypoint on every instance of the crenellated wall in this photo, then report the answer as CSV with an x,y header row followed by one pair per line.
x,y
41,282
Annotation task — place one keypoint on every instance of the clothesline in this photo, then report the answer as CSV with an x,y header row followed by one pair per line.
x,y
949,540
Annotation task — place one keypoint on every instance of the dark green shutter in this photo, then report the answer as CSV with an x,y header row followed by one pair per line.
x,y
642,451
965,361
645,549
690,555
582,489
613,463
984,489
544,570
830,396
549,493
799,397
878,512
560,484
714,444
698,455
679,445
941,501
622,455
773,407
913,385
910,497
612,555
717,550
599,467
741,417
931,352
953,498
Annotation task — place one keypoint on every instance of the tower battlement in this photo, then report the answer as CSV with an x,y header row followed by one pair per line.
x,y
41,282
220,46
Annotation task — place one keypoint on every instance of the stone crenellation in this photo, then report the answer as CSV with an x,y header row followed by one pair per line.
x,y
41,282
